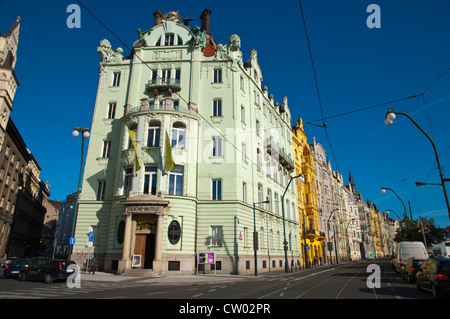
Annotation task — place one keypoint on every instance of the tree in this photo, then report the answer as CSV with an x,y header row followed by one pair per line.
x,y
411,230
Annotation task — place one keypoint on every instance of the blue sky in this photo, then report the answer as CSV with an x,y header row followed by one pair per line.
x,y
356,67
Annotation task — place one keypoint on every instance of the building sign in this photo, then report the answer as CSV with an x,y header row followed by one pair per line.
x,y
206,258
145,209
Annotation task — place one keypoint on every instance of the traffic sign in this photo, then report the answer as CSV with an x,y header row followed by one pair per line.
x,y
91,236
72,241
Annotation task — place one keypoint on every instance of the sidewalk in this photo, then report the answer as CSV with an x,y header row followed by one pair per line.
x,y
197,279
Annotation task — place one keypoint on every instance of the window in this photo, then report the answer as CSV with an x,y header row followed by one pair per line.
x,y
116,79
217,75
242,83
217,108
178,75
127,180
169,39
112,110
176,181
150,180
242,114
217,189
153,136
244,153
178,136
174,232
260,195
101,187
269,198
217,146
134,129
277,211
165,75
216,235
106,149
257,127
244,192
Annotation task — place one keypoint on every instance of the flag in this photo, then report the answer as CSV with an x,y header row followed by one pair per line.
x,y
133,141
169,164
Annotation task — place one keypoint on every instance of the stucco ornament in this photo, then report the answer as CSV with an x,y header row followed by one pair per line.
x,y
108,54
231,51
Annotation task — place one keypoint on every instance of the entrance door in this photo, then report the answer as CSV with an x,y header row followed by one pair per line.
x,y
149,251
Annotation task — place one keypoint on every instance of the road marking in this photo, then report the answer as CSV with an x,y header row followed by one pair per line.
x,y
157,293
198,295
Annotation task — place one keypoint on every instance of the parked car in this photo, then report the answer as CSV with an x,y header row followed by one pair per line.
x,y
47,270
409,249
7,260
434,276
410,268
13,267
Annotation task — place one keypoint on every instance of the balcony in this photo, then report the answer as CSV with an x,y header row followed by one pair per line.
x,y
155,86
284,158
163,106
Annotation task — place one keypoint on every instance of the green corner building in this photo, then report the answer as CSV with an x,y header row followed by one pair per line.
x,y
187,98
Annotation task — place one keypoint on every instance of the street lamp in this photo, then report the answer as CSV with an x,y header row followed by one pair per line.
x,y
255,234
390,117
302,180
85,134
383,191
328,227
418,184
348,240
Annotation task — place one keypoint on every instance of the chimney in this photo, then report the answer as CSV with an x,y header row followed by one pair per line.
x,y
205,20
158,17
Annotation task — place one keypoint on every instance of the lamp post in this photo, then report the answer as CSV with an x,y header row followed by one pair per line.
x,y
390,117
348,240
390,210
85,134
383,191
301,179
255,235
328,228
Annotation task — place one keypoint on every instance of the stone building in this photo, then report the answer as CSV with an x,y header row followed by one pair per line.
x,y
186,144
23,195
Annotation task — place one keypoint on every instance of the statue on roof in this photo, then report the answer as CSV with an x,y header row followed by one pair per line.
x,y
231,51
108,54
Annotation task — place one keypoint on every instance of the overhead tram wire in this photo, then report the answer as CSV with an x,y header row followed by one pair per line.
x,y
324,125
164,81
422,94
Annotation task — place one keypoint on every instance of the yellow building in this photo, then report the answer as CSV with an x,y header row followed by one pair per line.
x,y
307,197
376,230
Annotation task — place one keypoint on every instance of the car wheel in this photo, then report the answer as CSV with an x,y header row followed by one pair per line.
x,y
23,276
434,292
48,279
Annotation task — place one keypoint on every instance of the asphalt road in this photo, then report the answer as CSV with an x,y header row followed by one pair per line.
x,y
347,281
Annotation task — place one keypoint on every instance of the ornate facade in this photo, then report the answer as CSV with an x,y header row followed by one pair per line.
x,y
186,145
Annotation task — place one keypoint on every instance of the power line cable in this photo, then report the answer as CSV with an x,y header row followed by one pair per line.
x,y
164,81
324,125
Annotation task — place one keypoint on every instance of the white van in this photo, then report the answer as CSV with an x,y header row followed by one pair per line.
x,y
409,249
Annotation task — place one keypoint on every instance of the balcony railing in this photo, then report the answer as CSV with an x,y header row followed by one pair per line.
x,y
284,158
162,84
165,105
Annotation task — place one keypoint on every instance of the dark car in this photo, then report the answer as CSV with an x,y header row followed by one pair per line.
x,y
434,276
14,266
47,270
410,268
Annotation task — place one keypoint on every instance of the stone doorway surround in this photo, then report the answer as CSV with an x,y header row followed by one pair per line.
x,y
138,207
